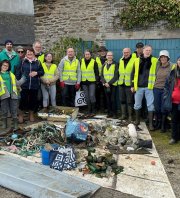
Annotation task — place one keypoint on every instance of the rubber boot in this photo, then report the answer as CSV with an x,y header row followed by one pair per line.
x,y
15,123
89,108
129,114
31,116
4,123
137,122
157,121
163,124
123,112
93,108
150,117
21,117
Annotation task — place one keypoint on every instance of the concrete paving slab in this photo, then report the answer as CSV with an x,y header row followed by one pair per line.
x,y
38,181
140,178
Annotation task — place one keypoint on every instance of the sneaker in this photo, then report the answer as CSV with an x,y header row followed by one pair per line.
x,y
172,141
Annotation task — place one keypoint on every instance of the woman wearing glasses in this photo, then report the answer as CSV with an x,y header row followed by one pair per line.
x,y
20,50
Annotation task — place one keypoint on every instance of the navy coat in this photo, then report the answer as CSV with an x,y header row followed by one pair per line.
x,y
25,68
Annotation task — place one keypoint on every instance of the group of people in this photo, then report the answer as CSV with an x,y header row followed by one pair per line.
x,y
138,75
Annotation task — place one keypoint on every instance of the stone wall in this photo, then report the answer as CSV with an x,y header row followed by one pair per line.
x,y
89,20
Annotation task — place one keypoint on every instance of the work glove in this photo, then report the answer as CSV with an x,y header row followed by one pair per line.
x,y
77,86
61,84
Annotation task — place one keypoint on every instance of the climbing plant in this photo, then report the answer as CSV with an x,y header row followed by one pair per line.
x,y
60,47
143,13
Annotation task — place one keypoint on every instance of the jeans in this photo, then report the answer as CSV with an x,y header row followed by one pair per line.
x,y
68,95
11,105
158,100
149,98
89,91
48,92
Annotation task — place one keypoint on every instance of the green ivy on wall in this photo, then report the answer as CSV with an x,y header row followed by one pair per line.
x,y
143,13
60,47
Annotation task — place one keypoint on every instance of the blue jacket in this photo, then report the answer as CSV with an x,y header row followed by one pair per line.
x,y
168,89
25,68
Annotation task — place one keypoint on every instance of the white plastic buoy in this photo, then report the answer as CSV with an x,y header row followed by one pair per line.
x,y
132,132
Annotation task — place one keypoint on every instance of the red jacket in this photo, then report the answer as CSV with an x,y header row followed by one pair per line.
x,y
176,92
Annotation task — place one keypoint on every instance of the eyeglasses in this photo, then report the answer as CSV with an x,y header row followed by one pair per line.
x,y
20,52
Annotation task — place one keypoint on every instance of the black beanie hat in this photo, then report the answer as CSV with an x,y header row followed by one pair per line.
x,y
139,45
8,41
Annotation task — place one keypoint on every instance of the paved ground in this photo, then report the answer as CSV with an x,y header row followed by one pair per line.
x,y
169,155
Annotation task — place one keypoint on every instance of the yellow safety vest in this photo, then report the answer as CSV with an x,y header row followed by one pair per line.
x,y
152,73
109,73
134,55
125,73
41,58
49,73
88,72
98,60
70,70
173,66
13,82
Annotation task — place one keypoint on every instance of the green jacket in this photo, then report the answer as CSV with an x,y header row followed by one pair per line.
x,y
14,60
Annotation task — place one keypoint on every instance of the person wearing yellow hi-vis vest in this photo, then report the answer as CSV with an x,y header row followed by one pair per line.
x,y
109,77
143,79
48,85
9,93
70,77
139,50
90,75
126,96
100,94
37,46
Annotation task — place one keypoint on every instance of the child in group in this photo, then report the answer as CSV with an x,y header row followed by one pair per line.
x,y
48,85
9,93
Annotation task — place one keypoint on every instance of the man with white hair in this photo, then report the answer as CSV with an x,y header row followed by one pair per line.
x,y
143,79
70,77
37,46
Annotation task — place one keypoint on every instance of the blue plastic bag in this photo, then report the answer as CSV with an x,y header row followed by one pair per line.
x,y
76,130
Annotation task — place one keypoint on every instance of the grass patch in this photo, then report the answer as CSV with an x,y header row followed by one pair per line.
x,y
161,141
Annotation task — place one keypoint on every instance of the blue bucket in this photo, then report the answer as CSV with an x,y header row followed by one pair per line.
x,y
45,156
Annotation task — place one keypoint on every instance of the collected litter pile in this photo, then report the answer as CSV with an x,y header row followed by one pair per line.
x,y
101,166
117,137
28,141
77,136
